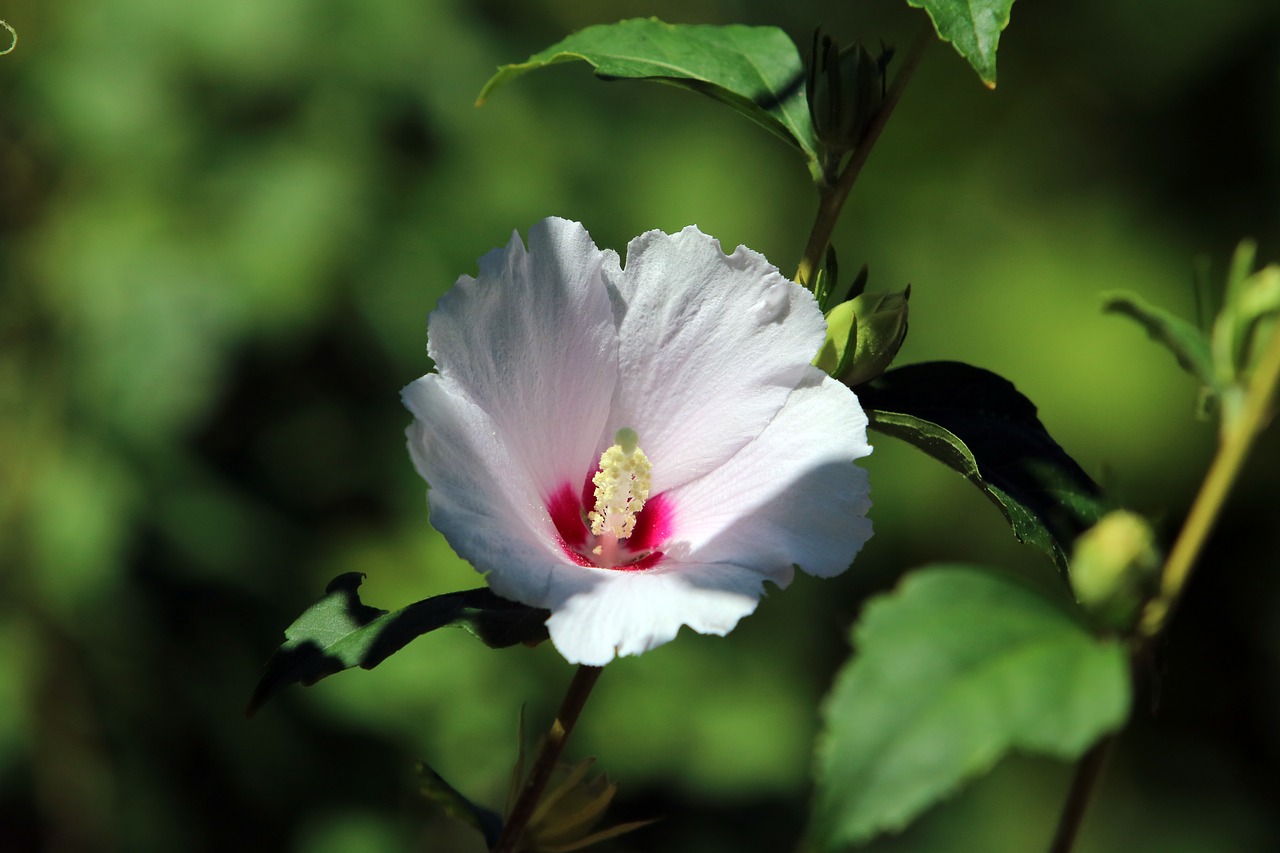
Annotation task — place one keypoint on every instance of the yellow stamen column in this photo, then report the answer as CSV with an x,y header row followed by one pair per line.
x,y
622,486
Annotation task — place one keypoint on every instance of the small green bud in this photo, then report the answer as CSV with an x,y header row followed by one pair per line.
x,y
842,331
1114,568
882,327
846,89
863,336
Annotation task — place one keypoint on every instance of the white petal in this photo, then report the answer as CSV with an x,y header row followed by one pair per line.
x,y
792,496
481,500
710,347
532,342
627,613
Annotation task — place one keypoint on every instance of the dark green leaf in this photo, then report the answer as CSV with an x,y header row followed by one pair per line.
x,y
339,632
951,671
755,70
973,27
978,424
1189,345
487,822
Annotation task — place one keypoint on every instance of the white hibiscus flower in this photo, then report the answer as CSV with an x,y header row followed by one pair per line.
x,y
636,448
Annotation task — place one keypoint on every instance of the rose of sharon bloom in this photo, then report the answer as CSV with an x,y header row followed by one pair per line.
x,y
636,448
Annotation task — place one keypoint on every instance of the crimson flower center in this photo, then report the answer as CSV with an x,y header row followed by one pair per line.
x,y
612,522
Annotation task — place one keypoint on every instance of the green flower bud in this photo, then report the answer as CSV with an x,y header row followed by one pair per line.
x,y
842,336
846,89
1114,568
863,336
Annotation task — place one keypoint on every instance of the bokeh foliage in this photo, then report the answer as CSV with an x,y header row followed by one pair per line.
x,y
221,229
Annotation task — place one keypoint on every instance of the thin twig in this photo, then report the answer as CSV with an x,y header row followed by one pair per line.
x,y
574,699
1088,771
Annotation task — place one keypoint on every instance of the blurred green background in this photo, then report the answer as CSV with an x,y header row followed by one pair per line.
x,y
222,227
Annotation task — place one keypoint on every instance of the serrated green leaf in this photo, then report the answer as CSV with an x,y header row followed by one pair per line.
x,y
755,70
339,631
978,424
951,671
436,789
1189,345
972,27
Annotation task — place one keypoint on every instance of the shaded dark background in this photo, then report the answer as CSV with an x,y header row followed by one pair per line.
x,y
221,229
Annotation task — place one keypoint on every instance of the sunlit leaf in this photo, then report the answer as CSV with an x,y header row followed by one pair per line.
x,y
979,425
339,632
973,27
755,70
950,672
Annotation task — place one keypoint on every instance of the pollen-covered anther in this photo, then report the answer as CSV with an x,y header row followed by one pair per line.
x,y
622,486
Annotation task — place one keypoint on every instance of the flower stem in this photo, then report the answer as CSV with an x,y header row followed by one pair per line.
x,y
1237,441
832,196
574,699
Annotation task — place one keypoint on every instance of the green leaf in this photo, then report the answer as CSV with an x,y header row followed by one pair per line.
x,y
436,789
339,632
1245,302
973,27
951,671
1259,308
755,70
1189,345
978,424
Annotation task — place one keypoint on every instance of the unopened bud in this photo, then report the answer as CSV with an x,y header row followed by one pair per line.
x,y
863,336
1114,567
846,89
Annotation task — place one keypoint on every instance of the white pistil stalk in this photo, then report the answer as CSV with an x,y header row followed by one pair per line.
x,y
622,487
